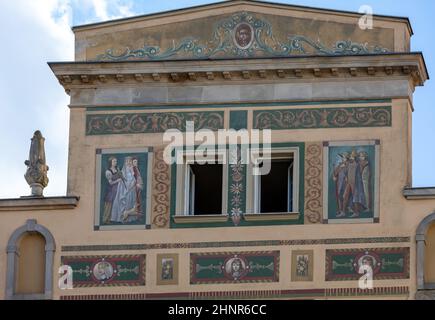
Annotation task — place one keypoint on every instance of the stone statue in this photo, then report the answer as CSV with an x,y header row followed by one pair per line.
x,y
36,175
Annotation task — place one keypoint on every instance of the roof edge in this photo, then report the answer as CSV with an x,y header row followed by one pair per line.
x,y
230,3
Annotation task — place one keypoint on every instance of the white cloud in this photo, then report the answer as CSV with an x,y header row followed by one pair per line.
x,y
100,7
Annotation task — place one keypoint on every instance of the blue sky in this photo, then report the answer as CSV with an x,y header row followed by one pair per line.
x,y
37,31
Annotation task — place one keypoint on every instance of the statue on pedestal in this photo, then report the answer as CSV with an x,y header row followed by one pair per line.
x,y
36,175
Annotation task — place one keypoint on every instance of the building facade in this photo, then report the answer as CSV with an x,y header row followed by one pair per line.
x,y
338,200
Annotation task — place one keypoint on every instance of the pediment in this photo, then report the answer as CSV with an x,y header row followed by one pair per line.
x,y
235,30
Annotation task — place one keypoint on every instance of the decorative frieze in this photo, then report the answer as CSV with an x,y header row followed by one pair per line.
x,y
386,263
106,271
127,123
161,191
234,267
229,244
313,183
321,118
244,34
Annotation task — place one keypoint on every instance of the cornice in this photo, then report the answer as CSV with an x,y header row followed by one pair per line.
x,y
99,74
42,203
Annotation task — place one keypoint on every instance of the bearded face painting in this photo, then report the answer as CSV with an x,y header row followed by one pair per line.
x,y
351,182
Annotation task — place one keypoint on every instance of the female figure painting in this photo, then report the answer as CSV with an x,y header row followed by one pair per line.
x,y
122,191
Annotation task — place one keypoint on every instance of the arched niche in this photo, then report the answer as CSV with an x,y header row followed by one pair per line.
x,y
13,252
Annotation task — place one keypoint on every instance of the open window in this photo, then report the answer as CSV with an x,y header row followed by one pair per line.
x,y
204,184
277,191
201,187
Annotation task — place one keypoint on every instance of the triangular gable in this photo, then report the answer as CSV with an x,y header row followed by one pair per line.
x,y
239,29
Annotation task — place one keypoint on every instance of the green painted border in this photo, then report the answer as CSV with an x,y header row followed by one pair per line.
x,y
243,222
237,105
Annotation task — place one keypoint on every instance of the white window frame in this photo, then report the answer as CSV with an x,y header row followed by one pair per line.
x,y
184,196
254,181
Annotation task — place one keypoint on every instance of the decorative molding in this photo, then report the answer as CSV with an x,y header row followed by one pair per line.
x,y
419,193
37,204
229,244
130,123
250,294
320,118
215,218
106,271
234,267
161,192
258,40
271,216
387,263
425,295
313,183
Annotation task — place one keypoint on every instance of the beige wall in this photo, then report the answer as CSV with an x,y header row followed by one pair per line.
x,y
398,217
429,265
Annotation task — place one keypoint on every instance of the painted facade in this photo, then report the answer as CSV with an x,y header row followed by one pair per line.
x,y
337,98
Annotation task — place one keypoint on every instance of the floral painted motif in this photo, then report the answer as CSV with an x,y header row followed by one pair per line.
x,y
101,124
237,196
323,118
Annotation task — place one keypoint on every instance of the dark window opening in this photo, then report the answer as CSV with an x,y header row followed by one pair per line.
x,y
276,188
205,189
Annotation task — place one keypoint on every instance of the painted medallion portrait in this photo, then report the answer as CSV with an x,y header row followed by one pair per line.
x,y
122,188
236,268
243,35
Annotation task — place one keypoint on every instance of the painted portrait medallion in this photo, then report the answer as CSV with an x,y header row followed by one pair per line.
x,y
236,268
243,36
103,271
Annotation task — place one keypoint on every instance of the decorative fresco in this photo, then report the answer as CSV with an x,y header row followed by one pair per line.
x,y
106,271
237,189
232,267
302,265
122,188
161,192
242,35
351,182
322,118
167,269
313,183
128,123
387,263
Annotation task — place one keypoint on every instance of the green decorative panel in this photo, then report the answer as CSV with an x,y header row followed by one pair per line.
x,y
234,267
387,263
237,189
241,35
239,120
106,271
157,122
321,118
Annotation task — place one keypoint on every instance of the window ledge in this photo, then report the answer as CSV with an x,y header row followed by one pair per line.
x,y
201,219
42,203
419,193
272,216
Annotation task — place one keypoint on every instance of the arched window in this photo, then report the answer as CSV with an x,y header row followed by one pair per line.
x,y
30,263
429,257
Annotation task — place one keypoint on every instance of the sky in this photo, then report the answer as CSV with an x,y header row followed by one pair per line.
x,y
34,32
